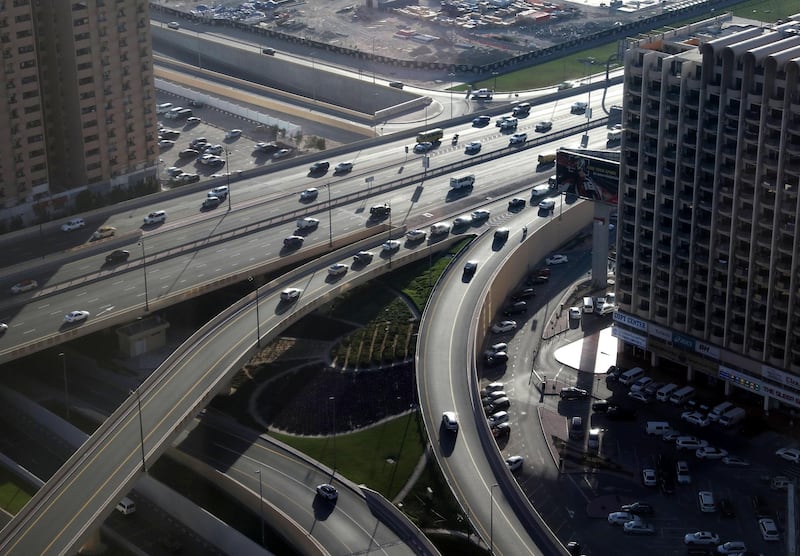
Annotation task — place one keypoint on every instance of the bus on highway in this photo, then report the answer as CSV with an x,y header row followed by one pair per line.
x,y
431,135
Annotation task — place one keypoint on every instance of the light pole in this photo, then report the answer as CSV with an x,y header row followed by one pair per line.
x,y
141,426
313,80
260,505
63,357
144,269
495,74
252,280
330,217
588,62
333,399
491,518
452,77
228,178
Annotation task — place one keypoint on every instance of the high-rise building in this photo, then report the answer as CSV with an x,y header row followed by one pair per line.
x,y
80,100
708,258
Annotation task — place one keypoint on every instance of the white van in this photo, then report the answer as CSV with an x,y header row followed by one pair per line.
x,y
681,395
163,108
463,181
720,410
588,305
126,506
732,417
657,428
663,393
631,375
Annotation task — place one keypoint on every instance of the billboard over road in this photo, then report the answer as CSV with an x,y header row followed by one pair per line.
x,y
592,175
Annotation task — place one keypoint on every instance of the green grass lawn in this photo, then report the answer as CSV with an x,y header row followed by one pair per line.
x,y
13,493
381,457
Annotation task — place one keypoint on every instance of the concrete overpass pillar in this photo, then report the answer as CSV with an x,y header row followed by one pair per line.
x,y
689,372
654,359
600,223
94,545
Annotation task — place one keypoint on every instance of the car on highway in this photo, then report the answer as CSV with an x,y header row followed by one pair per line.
x,y
327,491
509,124
3,328
481,121
308,223
103,232
363,257
462,221
547,204
117,256
211,202
518,139
390,245
380,211
173,25
501,234
480,214
556,259
156,217
649,477
514,462
735,461
701,538
221,192
338,269
470,267
638,508
621,518
517,203
76,316
290,294
695,418
789,454
416,235
450,421
24,286
543,127
578,108
473,147
309,194
343,167
74,224
319,167
565,85
710,452
421,148
504,326
494,348
293,242
638,528
573,393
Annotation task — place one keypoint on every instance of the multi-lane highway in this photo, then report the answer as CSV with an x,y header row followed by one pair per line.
x,y
93,479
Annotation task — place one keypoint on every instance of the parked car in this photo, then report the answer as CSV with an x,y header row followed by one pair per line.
x,y
619,413
524,293
638,528
504,326
735,461
695,418
573,393
726,507
690,443
649,477
620,518
709,452
233,134
514,463
556,259
732,547
638,508
768,529
701,538
640,397
789,454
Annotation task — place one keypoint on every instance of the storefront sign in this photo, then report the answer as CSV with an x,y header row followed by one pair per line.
x,y
630,321
682,341
629,337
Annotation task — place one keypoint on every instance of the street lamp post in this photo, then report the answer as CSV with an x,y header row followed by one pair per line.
x,y
452,77
141,426
333,399
258,320
228,177
491,518
63,357
495,74
260,505
588,62
144,269
330,217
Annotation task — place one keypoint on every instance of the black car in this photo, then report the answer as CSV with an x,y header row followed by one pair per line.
x,y
379,211
516,203
211,202
516,308
396,84
118,256
638,508
619,413
481,121
292,242
600,406
523,294
496,358
572,393
362,257
726,507
319,167
533,280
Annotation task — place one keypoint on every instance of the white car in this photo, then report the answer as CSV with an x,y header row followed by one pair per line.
x,y
514,462
735,461
327,491
166,143
221,192
480,214
24,286
309,194
709,452
504,326
3,328
472,147
156,217
193,120
696,418
701,538
74,224
497,418
789,454
690,443
416,235
282,153
307,223
290,294
732,547
390,245
638,528
621,518
575,313
450,421
547,204
174,25
337,269
649,477
233,134
556,259
343,167
76,316
518,139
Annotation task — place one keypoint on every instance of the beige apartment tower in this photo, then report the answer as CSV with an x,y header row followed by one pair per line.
x,y
79,110
708,257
